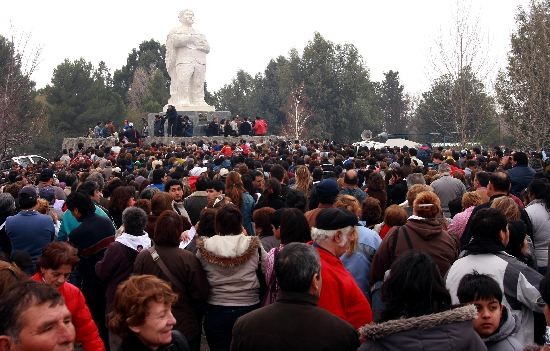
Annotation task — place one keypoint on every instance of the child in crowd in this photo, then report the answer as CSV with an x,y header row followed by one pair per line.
x,y
494,324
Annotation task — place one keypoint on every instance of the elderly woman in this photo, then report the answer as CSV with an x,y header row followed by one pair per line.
x,y
118,261
182,269
423,232
142,316
233,264
54,268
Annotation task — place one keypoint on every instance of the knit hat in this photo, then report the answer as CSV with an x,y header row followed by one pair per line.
x,y
335,218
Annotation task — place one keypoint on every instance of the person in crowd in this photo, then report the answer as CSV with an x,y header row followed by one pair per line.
x,y
7,209
175,188
197,201
10,274
46,179
498,186
245,128
422,232
351,186
171,116
117,263
376,188
182,269
519,245
54,268
494,324
69,222
289,225
33,316
271,196
304,180
447,187
418,313
260,127
394,216
539,215
412,192
371,212
234,188
29,231
333,235
485,255
359,260
159,203
470,200
521,174
326,192
142,316
121,198
481,181
298,271
264,229
397,185
233,262
91,238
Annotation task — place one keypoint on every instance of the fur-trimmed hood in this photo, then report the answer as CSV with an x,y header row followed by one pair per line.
x,y
379,330
229,250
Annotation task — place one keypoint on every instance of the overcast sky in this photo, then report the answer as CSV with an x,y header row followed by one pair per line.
x,y
396,35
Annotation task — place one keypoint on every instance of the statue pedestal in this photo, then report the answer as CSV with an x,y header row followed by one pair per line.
x,y
199,117
191,108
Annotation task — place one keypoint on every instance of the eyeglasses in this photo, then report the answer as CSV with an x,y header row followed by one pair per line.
x,y
56,275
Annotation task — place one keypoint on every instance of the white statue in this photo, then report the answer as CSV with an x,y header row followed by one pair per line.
x,y
186,51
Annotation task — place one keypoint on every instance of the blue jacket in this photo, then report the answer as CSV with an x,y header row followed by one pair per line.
x,y
30,231
520,177
359,262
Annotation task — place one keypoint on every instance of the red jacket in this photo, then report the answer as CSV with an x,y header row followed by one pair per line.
x,y
85,327
340,294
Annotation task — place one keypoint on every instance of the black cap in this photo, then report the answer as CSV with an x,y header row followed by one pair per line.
x,y
335,218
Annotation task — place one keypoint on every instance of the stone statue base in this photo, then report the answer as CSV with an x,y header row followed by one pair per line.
x,y
200,119
195,108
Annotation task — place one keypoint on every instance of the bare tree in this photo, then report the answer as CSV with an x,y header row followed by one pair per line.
x,y
139,89
298,113
461,56
21,116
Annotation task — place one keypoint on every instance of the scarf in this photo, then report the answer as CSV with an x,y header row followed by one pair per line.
x,y
135,242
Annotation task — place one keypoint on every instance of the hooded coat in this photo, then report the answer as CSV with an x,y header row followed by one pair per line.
x,y
450,330
420,234
503,338
230,263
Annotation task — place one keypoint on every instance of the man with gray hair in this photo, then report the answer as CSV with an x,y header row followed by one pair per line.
x,y
447,188
334,235
298,271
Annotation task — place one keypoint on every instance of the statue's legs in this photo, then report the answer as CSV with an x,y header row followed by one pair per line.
x,y
197,85
184,73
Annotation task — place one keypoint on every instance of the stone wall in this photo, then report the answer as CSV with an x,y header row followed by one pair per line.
x,y
72,143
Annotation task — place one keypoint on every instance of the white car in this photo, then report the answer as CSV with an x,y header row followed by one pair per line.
x,y
23,161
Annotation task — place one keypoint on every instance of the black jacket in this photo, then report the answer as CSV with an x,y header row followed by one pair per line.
x,y
132,343
287,325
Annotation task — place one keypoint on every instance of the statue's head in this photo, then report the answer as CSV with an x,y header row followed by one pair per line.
x,y
186,17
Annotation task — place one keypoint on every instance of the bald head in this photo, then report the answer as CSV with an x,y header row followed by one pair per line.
x,y
350,178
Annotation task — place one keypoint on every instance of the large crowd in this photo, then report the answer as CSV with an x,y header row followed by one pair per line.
x,y
275,244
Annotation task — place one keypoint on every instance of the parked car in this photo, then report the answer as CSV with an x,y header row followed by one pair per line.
x,y
23,161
